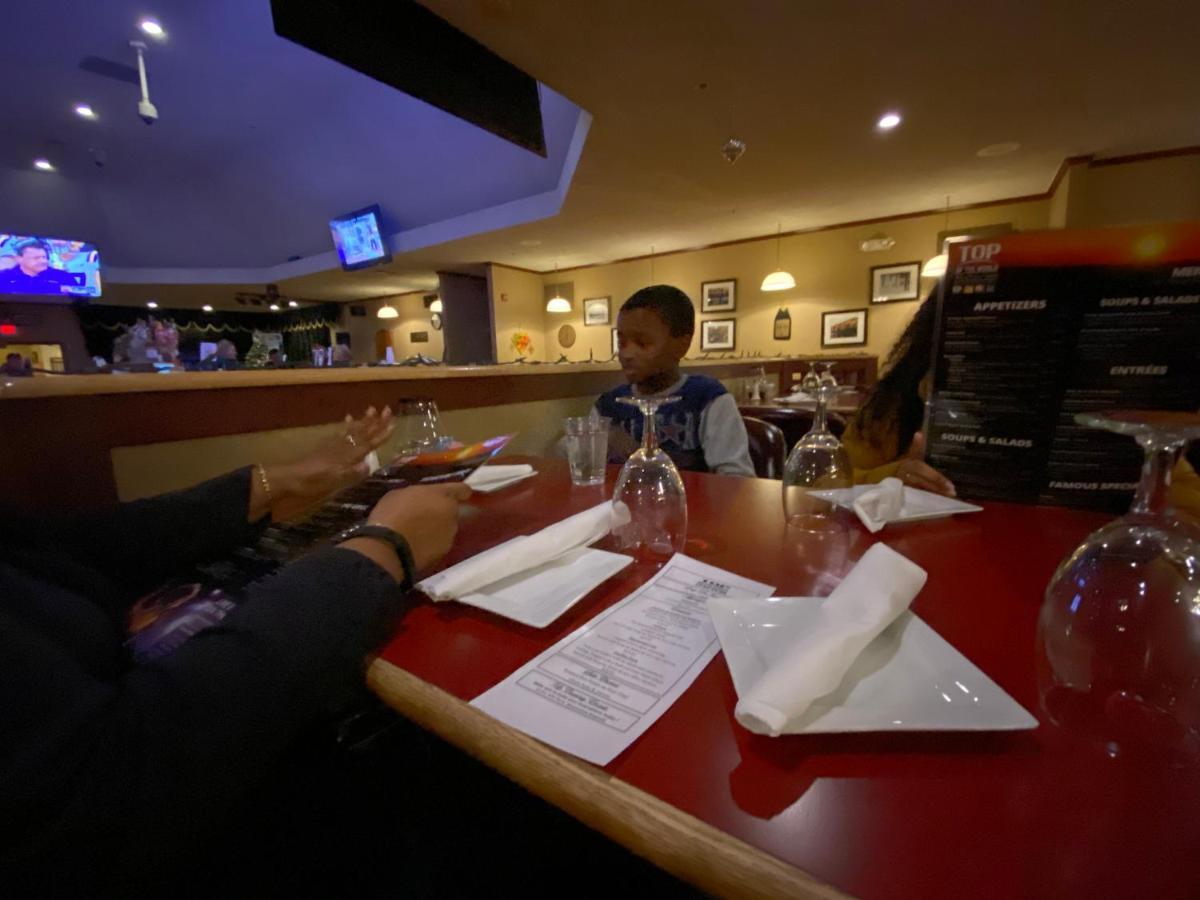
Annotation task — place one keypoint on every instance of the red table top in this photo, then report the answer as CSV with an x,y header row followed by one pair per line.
x,y
1025,814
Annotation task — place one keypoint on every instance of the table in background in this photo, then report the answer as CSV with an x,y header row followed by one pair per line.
x,y
876,815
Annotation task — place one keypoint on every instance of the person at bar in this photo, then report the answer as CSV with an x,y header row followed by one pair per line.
x,y
884,438
116,775
703,432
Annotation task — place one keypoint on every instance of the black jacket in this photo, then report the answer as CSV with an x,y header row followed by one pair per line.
x,y
109,768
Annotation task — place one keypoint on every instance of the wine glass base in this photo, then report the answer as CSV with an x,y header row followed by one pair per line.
x,y
822,524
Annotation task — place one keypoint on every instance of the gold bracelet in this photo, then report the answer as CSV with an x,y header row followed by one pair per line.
x,y
264,481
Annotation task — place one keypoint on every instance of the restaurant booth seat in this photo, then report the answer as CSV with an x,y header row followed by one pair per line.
x,y
768,447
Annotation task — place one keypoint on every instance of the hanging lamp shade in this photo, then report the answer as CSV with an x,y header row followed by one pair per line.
x,y
557,304
936,267
436,306
779,280
387,312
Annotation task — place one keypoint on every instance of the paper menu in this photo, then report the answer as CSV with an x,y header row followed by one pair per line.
x,y
598,689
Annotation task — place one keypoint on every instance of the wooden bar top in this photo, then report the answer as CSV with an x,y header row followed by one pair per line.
x,y
148,382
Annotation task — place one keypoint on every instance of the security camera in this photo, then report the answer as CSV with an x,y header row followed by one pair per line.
x,y
148,112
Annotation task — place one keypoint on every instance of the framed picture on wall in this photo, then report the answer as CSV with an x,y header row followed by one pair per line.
x,y
718,296
615,345
596,311
718,334
897,282
783,325
844,328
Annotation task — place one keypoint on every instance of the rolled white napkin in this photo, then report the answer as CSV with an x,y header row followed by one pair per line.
x,y
878,589
492,474
878,506
522,553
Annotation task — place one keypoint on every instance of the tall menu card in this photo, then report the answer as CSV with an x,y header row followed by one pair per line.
x,y
1034,328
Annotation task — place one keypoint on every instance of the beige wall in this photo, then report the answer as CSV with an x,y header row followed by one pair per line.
x,y
1165,189
517,305
831,273
413,317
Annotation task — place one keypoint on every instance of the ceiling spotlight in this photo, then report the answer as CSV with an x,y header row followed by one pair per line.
x,y
733,149
274,307
888,121
43,165
84,111
152,27
207,307
293,304
150,304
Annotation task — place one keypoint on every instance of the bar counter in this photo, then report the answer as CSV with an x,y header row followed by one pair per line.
x,y
75,442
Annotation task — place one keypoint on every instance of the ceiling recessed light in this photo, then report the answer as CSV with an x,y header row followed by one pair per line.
x,y
207,307
293,304
84,111
274,307
152,27
1002,149
43,164
888,121
150,304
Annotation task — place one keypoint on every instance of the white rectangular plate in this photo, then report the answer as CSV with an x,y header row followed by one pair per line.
x,y
918,506
908,679
539,596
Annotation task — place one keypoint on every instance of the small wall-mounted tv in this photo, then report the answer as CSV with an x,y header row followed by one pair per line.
x,y
42,265
359,239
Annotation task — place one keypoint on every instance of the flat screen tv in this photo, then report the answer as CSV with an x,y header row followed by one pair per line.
x,y
358,239
43,265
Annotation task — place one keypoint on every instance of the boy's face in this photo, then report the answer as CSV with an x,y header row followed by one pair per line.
x,y
645,346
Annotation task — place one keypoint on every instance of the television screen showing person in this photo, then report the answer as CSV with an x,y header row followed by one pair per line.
x,y
33,273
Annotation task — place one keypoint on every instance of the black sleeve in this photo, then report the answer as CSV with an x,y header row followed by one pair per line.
x,y
141,543
128,776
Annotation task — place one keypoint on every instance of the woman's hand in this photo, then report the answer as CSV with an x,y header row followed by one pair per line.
x,y
915,472
427,516
337,463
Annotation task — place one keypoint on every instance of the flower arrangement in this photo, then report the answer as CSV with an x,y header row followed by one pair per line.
x,y
522,343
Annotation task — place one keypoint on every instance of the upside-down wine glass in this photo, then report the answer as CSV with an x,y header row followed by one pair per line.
x,y
651,489
1119,630
817,464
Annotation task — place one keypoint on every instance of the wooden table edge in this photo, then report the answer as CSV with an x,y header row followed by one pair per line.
x,y
679,843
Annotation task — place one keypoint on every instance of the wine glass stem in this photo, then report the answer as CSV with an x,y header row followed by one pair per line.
x,y
649,431
819,412
1155,485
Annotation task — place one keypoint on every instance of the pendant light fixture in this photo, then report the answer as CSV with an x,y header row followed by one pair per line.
x,y
778,280
936,267
558,303
387,312
436,306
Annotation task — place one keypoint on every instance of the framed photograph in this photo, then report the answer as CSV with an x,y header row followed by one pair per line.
x,y
844,328
901,281
615,343
596,311
718,334
783,325
718,296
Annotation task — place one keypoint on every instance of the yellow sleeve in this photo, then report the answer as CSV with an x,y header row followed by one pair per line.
x,y
872,463
1185,488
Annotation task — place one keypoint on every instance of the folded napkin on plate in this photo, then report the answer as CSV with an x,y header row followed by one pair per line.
x,y
486,475
522,553
878,589
881,504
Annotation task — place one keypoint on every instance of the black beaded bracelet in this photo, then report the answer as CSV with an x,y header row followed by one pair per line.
x,y
395,538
